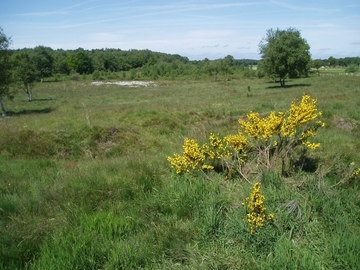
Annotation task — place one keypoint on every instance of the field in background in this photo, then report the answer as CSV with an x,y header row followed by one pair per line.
x,y
85,183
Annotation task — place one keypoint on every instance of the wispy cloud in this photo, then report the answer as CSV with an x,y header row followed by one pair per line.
x,y
62,11
42,14
185,6
211,34
301,8
182,7
326,25
210,46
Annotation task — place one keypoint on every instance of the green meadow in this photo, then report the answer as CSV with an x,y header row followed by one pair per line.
x,y
85,182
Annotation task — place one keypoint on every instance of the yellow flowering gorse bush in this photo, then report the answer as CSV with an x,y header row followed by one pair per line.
x,y
260,139
256,215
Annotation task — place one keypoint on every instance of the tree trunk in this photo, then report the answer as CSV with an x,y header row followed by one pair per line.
x,y
2,108
28,92
282,82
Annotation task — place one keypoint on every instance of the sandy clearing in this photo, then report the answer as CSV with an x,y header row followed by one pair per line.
x,y
127,83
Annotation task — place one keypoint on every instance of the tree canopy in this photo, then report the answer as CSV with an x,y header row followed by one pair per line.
x,y
284,54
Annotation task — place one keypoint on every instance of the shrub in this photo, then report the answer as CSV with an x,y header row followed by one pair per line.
x,y
259,143
74,76
96,75
352,68
256,215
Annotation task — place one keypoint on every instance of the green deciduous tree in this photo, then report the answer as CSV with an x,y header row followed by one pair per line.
x,y
225,66
212,68
5,68
80,62
152,61
331,61
43,60
60,64
25,73
317,63
284,54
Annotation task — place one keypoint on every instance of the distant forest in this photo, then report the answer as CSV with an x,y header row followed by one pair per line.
x,y
104,63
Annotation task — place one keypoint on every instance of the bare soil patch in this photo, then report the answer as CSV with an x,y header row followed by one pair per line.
x,y
126,83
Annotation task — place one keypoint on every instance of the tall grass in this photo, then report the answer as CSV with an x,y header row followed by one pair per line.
x,y
84,181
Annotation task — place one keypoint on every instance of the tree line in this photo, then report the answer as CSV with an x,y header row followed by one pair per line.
x,y
48,62
351,64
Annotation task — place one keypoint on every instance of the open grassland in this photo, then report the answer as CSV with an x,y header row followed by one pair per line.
x,y
85,184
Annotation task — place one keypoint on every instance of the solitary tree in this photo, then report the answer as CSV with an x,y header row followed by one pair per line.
x,y
5,69
25,73
284,54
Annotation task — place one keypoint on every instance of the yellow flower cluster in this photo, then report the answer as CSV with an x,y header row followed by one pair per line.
x,y
355,171
262,128
191,159
197,157
217,148
300,114
237,141
256,211
311,145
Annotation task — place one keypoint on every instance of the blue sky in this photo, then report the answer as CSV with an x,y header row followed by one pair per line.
x,y
197,29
